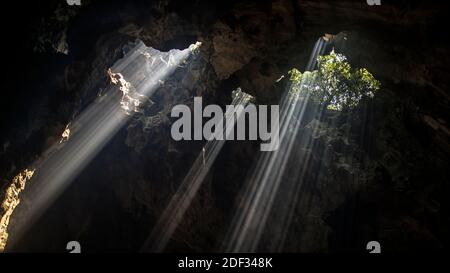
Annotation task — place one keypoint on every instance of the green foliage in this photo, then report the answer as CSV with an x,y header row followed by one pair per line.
x,y
295,75
335,84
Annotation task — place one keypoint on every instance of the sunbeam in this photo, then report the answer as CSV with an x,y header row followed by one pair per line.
x,y
137,79
263,185
181,200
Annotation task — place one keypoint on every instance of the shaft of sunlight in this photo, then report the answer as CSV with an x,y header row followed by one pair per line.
x,y
94,127
263,184
173,214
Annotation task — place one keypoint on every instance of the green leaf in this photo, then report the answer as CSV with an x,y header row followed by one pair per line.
x,y
335,84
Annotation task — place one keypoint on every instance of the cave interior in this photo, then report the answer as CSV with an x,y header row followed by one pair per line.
x,y
376,173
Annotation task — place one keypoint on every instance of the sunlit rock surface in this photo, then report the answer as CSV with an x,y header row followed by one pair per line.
x,y
10,202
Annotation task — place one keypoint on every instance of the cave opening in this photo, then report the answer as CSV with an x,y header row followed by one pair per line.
x,y
137,75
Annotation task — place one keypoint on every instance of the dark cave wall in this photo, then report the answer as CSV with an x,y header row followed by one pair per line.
x,y
387,182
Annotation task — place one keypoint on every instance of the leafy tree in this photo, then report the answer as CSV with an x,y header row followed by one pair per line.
x,y
335,84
